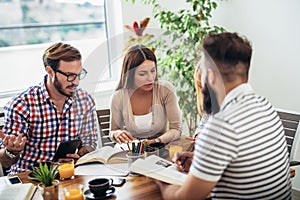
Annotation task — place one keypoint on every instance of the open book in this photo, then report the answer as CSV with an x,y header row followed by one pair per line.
x,y
117,169
158,168
106,154
23,191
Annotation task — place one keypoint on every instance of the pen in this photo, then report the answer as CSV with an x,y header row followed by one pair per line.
x,y
133,147
128,146
138,147
191,149
123,149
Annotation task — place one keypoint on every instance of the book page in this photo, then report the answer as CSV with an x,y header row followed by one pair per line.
x,y
160,169
18,192
102,154
120,169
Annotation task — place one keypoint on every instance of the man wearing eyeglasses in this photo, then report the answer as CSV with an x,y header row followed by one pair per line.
x,y
54,111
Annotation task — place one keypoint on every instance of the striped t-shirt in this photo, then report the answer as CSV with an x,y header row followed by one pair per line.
x,y
243,149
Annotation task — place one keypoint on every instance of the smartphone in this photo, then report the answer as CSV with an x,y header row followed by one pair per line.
x,y
14,180
65,148
118,181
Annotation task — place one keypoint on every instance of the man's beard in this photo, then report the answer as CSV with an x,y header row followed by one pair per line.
x,y
210,103
59,88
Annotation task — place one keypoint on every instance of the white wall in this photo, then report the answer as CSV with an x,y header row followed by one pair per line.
x,y
271,26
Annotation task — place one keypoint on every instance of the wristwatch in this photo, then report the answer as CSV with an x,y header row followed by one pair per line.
x,y
157,140
9,154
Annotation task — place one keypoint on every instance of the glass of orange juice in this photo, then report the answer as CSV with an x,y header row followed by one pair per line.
x,y
66,168
174,147
73,192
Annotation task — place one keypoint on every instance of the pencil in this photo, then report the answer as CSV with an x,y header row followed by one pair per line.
x,y
128,146
138,147
190,149
141,148
145,146
133,147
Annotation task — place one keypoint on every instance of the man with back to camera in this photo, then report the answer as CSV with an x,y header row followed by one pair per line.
x,y
54,111
241,152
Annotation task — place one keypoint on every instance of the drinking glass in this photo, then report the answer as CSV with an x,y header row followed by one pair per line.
x,y
66,168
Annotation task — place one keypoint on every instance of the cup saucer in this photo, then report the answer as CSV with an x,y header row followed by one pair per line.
x,y
90,196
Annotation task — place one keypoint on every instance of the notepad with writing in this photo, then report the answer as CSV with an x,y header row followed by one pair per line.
x,y
158,168
106,154
23,191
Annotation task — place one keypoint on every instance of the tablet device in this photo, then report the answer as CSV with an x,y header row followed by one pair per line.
x,y
66,147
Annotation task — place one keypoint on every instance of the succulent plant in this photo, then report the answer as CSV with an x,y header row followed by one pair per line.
x,y
45,173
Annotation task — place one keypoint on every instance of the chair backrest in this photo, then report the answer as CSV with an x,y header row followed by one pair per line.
x,y
1,120
104,124
290,121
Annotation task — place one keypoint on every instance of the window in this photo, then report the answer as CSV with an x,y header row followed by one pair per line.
x,y
28,27
24,22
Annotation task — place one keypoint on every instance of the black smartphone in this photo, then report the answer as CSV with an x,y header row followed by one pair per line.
x,y
118,181
14,180
65,148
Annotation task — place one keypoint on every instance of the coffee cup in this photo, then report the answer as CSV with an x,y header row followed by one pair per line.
x,y
152,151
101,186
161,146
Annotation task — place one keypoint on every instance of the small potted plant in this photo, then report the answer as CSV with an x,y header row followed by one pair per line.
x,y
46,174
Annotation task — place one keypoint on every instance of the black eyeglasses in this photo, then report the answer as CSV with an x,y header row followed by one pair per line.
x,y
70,76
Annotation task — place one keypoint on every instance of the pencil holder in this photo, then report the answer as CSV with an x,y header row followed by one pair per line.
x,y
131,157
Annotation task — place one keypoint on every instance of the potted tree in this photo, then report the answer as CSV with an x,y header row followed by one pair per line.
x,y
178,48
46,174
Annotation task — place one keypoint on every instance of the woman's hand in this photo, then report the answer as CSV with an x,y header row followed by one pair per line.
x,y
123,136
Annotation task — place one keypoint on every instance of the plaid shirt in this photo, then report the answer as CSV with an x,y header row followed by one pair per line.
x,y
33,114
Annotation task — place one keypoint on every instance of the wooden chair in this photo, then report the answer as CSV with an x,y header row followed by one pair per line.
x,y
290,122
1,120
104,124
291,126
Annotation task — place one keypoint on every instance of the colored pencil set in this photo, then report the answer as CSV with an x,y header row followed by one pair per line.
x,y
137,146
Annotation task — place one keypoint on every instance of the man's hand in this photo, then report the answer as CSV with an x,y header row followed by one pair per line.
x,y
167,190
12,143
183,160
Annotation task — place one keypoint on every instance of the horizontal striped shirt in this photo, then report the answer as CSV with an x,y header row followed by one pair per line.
x,y
33,114
243,149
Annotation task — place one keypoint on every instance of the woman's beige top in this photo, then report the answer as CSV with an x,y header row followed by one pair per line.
x,y
165,113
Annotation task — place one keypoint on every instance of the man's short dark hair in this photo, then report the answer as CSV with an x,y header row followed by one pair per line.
x,y
230,52
60,51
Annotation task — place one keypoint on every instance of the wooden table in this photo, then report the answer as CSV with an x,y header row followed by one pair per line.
x,y
136,187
